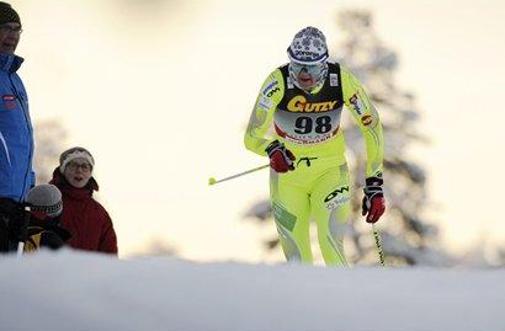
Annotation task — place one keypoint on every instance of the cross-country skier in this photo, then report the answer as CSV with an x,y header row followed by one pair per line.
x,y
296,123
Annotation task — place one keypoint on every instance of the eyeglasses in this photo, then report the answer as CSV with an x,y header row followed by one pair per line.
x,y
6,28
86,167
313,69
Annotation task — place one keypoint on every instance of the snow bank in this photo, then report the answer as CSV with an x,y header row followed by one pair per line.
x,y
79,291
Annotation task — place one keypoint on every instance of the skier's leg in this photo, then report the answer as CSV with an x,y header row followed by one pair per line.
x,y
291,209
330,200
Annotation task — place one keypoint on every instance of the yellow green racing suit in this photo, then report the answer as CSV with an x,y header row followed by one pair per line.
x,y
309,126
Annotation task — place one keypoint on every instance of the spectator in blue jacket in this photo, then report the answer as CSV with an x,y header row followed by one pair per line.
x,y
16,133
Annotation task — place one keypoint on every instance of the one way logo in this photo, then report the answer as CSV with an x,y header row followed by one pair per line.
x,y
337,197
271,89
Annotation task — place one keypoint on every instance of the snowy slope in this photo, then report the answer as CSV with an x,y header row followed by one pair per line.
x,y
78,291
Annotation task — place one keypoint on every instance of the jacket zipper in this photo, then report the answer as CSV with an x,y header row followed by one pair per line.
x,y
21,102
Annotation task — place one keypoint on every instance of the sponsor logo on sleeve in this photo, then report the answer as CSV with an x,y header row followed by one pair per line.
x,y
356,103
264,103
367,120
271,89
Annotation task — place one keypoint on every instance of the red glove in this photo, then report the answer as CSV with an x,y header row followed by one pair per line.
x,y
373,205
281,158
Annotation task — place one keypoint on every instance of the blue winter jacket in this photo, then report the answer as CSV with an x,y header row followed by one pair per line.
x,y
16,133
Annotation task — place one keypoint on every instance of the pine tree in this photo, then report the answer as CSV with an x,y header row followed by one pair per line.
x,y
50,137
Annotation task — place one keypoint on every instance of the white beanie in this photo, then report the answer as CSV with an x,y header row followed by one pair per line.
x,y
75,153
308,47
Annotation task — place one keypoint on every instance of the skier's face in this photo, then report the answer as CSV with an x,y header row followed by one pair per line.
x,y
78,172
307,76
9,37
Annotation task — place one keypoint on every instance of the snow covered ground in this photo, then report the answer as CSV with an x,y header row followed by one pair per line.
x,y
71,291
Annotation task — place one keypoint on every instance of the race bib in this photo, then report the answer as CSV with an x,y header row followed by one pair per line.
x,y
307,128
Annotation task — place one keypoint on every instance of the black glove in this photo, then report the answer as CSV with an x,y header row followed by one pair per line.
x,y
15,220
373,204
281,158
51,224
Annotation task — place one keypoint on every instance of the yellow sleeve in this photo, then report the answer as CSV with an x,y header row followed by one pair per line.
x,y
258,134
367,118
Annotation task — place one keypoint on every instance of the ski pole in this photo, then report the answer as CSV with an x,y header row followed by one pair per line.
x,y
213,181
378,243
21,248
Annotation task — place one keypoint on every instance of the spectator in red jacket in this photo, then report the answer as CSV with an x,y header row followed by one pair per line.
x,y
86,219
